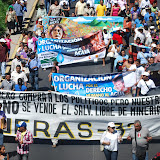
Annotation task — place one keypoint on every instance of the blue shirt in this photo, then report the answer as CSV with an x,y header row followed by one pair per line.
x,y
143,57
147,15
34,63
18,8
138,23
2,114
23,88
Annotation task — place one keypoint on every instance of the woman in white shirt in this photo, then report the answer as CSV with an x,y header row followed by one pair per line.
x,y
110,140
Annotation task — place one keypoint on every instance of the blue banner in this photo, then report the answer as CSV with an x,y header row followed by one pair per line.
x,y
107,85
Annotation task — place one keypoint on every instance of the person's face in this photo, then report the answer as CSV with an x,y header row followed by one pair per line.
x,y
29,36
151,61
18,69
40,22
43,35
130,60
138,40
18,1
26,49
21,129
111,129
3,150
137,127
101,2
119,85
88,6
8,77
137,64
73,15
145,78
32,56
105,31
41,6
143,50
151,19
56,3
10,9
154,5
57,33
134,8
123,53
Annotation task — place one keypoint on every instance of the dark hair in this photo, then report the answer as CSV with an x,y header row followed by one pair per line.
x,y
18,66
20,82
43,33
114,41
56,63
30,33
55,69
1,104
25,46
151,16
122,51
55,25
130,56
1,146
7,35
138,60
118,78
24,32
8,74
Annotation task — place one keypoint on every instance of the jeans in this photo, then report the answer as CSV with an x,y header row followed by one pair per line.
x,y
3,68
112,63
47,4
33,78
1,138
111,155
20,21
22,156
135,158
127,35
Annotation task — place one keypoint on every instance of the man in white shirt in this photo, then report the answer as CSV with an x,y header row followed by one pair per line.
x,y
15,75
15,62
79,8
107,39
145,3
145,84
140,34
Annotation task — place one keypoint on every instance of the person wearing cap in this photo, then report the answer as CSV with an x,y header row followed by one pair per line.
x,y
15,75
110,140
3,56
41,11
16,61
7,84
101,9
140,136
11,18
145,85
18,7
38,28
34,65
107,39
24,138
88,10
153,50
148,14
3,124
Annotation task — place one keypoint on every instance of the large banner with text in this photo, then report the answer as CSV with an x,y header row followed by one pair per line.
x,y
67,51
107,85
56,115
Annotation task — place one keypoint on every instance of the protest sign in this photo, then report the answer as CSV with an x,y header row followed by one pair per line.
x,y
67,51
108,85
74,27
56,115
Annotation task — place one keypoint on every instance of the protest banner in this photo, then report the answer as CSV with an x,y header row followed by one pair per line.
x,y
67,51
74,27
56,115
107,85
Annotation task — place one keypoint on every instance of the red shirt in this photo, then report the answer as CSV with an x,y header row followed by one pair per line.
x,y
118,38
134,55
3,53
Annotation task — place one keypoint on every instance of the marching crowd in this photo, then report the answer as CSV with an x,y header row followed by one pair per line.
x,y
141,21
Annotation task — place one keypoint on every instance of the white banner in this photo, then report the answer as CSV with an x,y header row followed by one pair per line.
x,y
51,114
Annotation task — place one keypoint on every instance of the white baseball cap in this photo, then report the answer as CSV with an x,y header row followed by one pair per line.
x,y
2,40
111,124
40,19
104,28
146,74
153,45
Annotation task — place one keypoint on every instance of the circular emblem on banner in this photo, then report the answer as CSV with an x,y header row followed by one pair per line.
x,y
139,134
